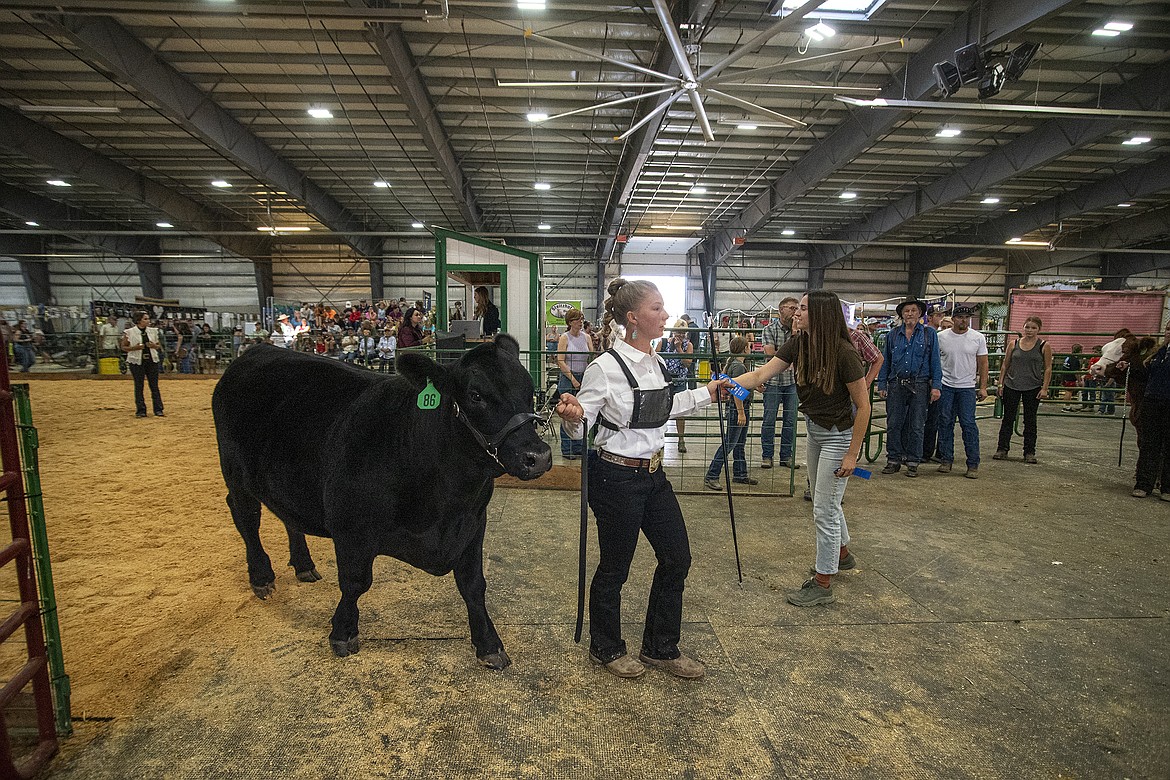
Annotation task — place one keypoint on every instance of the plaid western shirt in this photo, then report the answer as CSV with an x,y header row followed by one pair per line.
x,y
775,335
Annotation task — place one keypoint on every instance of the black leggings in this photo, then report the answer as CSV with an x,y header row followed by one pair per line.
x,y
1011,403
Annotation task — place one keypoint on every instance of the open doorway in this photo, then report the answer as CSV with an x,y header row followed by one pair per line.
x,y
674,293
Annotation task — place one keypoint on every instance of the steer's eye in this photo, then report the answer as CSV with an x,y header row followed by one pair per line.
x,y
474,396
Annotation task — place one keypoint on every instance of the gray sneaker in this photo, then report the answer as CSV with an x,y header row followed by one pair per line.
x,y
811,594
712,484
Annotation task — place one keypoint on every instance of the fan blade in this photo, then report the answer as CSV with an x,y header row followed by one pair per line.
x,y
617,86
750,106
763,37
594,55
657,110
835,89
673,40
701,115
609,103
844,54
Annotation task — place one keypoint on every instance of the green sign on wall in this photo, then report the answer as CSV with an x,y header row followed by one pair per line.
x,y
554,311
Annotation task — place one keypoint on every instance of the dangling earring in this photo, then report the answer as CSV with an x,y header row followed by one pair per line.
x,y
634,334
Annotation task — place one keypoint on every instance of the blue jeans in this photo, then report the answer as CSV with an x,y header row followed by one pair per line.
x,y
905,420
774,398
1107,406
957,402
25,355
736,436
826,450
569,447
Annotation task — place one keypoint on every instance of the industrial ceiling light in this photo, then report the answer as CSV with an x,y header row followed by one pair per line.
x,y
382,185
676,227
537,116
1119,26
320,113
989,69
30,109
30,223
58,183
990,201
221,184
163,224
1137,140
992,81
697,190
290,229
544,226
847,195
946,76
417,225
948,132
819,32
971,62
1103,33
788,232
1124,205
747,126
1020,59
542,185
530,5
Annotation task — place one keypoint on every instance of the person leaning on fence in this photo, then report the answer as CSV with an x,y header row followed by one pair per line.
x,y
672,349
830,381
963,355
1024,377
779,393
1153,466
574,351
627,391
910,380
738,417
143,347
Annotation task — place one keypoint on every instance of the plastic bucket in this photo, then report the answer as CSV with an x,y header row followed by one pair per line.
x,y
109,366
704,372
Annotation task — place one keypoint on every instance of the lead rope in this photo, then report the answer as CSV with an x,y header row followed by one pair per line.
x,y
723,439
584,540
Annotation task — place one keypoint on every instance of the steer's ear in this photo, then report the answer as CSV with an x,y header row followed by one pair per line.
x,y
418,368
508,344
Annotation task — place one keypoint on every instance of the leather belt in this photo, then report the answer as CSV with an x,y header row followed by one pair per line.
x,y
652,463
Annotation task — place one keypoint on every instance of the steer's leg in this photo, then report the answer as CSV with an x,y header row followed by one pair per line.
x,y
299,557
246,515
472,586
355,573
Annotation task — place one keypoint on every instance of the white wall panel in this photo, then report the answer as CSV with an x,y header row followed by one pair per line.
x,y
12,290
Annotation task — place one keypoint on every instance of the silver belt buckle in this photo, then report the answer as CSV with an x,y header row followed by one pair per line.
x,y
655,461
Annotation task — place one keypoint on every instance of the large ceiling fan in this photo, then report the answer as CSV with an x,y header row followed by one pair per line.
x,y
712,83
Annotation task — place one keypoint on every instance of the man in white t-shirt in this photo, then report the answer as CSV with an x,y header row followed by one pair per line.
x,y
963,355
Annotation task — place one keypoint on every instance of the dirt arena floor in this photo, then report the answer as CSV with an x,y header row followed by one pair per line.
x,y
1015,627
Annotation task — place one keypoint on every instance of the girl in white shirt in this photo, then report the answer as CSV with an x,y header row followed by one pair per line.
x,y
628,393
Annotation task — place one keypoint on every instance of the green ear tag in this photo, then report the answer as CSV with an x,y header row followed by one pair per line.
x,y
429,398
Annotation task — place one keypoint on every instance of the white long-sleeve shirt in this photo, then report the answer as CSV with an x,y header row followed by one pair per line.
x,y
605,391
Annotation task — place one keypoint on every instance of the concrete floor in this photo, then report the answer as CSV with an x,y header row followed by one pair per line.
x,y
1016,626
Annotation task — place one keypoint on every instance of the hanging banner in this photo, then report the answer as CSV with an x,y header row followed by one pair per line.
x,y
554,311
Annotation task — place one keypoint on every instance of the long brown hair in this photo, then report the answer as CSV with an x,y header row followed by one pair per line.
x,y
624,297
825,337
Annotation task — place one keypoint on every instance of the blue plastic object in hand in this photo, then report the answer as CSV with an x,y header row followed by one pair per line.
x,y
862,473
736,389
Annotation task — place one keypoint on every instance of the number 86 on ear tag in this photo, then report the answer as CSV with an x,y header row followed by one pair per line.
x,y
429,398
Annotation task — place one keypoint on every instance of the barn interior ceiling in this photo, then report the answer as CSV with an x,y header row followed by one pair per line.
x,y
574,127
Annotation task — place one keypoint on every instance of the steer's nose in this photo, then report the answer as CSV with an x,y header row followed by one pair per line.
x,y
537,463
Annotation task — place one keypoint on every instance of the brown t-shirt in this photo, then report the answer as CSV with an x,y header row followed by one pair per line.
x,y
835,409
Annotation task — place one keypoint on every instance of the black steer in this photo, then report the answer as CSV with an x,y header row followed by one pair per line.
x,y
344,453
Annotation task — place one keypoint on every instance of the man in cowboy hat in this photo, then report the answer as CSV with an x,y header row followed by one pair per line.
x,y
910,380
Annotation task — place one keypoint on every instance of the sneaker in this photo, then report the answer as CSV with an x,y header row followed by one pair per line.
x,y
811,594
892,468
1139,493
972,472
624,666
746,481
1030,459
999,455
848,562
1068,409
944,468
712,484
912,469
159,414
765,463
140,414
682,446
686,668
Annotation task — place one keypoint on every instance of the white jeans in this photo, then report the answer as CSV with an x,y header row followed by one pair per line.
x,y
826,450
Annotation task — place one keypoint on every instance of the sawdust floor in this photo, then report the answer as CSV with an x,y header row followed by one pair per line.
x,y
1014,626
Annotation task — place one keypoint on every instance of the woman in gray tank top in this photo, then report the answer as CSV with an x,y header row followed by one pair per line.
x,y
574,351
1024,376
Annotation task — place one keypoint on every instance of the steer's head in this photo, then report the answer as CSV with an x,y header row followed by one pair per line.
x,y
493,393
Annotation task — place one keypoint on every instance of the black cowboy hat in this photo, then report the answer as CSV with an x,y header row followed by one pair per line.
x,y
920,304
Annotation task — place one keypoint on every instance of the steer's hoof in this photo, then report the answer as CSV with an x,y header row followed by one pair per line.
x,y
265,590
497,661
308,576
348,647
